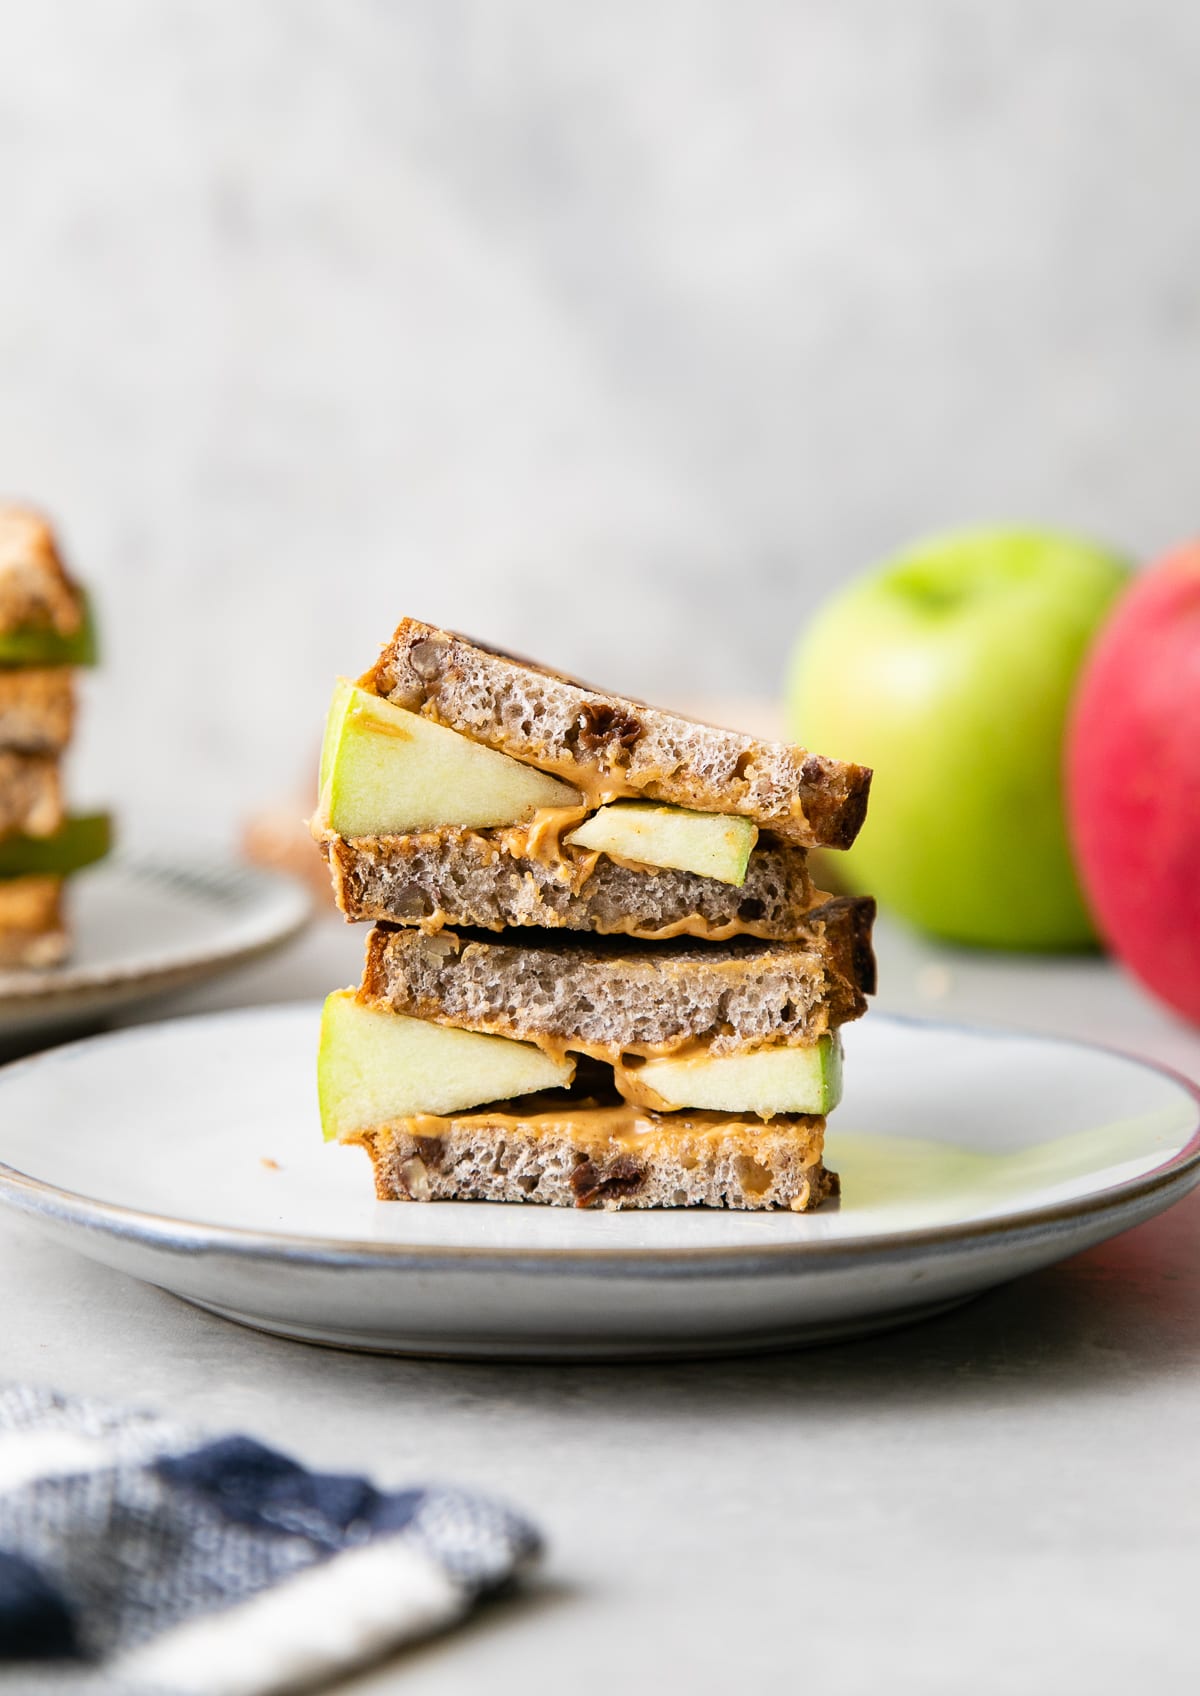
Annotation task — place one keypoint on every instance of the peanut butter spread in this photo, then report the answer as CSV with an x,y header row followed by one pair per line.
x,y
597,1128
540,839
560,1048
632,1087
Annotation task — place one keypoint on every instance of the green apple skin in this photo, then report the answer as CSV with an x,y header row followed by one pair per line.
x,y
81,840
709,844
950,670
374,1066
29,646
335,721
805,1079
384,769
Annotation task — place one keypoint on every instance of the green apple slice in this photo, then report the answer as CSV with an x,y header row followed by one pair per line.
x,y
82,839
385,769
772,1080
343,693
28,645
710,844
374,1066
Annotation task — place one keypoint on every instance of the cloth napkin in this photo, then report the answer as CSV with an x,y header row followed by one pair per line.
x,y
138,1556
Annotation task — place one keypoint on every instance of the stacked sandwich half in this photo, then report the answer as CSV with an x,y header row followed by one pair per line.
x,y
599,971
45,633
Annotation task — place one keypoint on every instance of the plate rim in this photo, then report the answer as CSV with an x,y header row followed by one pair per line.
x,y
39,1198
44,987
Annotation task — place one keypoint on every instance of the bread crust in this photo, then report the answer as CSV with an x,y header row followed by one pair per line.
x,y
610,746
30,793
469,878
480,1156
36,591
37,708
32,929
609,998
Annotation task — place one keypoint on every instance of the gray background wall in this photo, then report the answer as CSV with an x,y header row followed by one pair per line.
x,y
619,333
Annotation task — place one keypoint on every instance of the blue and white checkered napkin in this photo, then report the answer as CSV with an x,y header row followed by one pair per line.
x,y
137,1556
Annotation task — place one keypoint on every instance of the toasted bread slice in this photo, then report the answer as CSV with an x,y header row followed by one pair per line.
x,y
472,878
571,1155
606,998
32,930
35,589
30,793
608,747
37,708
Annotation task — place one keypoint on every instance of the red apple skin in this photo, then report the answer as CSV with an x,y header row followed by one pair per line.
x,y
1133,780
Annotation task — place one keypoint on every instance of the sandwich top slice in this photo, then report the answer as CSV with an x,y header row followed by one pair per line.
x,y
608,748
422,821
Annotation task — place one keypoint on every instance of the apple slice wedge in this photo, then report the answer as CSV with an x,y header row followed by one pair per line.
x,y
384,769
709,844
374,1066
81,840
805,1079
31,645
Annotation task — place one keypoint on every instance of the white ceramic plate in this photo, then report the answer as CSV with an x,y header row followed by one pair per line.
x,y
188,1154
144,926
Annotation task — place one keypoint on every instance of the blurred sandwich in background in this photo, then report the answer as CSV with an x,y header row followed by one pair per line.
x,y
46,634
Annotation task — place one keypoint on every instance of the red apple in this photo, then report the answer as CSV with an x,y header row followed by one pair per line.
x,y
1133,780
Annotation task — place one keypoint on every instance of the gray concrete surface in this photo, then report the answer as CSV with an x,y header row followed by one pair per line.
x,y
1004,1499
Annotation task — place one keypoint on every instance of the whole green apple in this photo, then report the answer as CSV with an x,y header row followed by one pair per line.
x,y
950,671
